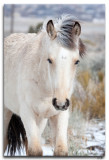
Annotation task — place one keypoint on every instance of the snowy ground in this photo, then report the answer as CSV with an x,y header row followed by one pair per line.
x,y
47,151
91,143
94,144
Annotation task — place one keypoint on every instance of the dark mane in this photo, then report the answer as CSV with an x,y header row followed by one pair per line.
x,y
65,36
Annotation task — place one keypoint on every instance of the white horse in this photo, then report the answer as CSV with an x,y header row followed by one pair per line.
x,y
39,71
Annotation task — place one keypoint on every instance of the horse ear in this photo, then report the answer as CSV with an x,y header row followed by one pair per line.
x,y
77,28
51,30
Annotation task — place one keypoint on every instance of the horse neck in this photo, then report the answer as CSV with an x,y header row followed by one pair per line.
x,y
42,54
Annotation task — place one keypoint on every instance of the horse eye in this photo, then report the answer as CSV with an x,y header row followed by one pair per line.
x,y
49,60
77,62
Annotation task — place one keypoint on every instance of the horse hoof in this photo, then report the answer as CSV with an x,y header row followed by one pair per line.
x,y
35,153
60,151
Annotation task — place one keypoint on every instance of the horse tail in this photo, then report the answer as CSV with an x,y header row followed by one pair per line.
x,y
16,135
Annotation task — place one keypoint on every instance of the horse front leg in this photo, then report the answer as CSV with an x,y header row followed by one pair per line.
x,y
60,125
32,132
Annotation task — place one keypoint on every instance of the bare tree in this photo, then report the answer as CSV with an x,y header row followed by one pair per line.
x,y
12,18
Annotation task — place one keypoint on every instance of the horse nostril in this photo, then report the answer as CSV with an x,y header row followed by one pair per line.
x,y
67,103
54,102
63,107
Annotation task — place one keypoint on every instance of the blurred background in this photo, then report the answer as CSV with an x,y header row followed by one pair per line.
x,y
87,121
19,18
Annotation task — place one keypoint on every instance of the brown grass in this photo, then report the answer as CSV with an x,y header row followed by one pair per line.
x,y
89,42
94,102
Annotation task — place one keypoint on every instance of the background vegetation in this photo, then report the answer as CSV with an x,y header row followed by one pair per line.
x,y
35,29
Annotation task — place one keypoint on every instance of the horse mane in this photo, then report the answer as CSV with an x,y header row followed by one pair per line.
x,y
65,37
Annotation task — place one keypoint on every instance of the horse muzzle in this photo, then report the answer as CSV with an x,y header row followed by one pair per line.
x,y
59,106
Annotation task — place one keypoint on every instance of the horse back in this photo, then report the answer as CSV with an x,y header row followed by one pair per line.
x,y
14,50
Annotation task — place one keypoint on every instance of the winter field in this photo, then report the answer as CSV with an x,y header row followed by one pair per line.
x,y
86,132
85,138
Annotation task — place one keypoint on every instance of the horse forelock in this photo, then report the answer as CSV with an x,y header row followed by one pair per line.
x,y
65,36
64,26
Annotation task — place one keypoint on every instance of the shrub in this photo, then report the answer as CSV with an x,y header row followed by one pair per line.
x,y
35,29
93,103
31,30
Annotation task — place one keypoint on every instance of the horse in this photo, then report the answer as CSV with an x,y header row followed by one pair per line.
x,y
39,75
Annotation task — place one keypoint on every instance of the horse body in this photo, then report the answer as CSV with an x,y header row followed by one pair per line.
x,y
38,83
18,83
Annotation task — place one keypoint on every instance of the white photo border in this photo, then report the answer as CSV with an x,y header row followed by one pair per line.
x,y
106,2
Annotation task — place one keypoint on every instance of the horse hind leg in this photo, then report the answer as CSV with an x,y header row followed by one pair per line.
x,y
7,117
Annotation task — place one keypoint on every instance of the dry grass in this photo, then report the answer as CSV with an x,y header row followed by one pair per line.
x,y
89,42
93,103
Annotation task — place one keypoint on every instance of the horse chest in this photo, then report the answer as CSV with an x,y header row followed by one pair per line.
x,y
45,109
